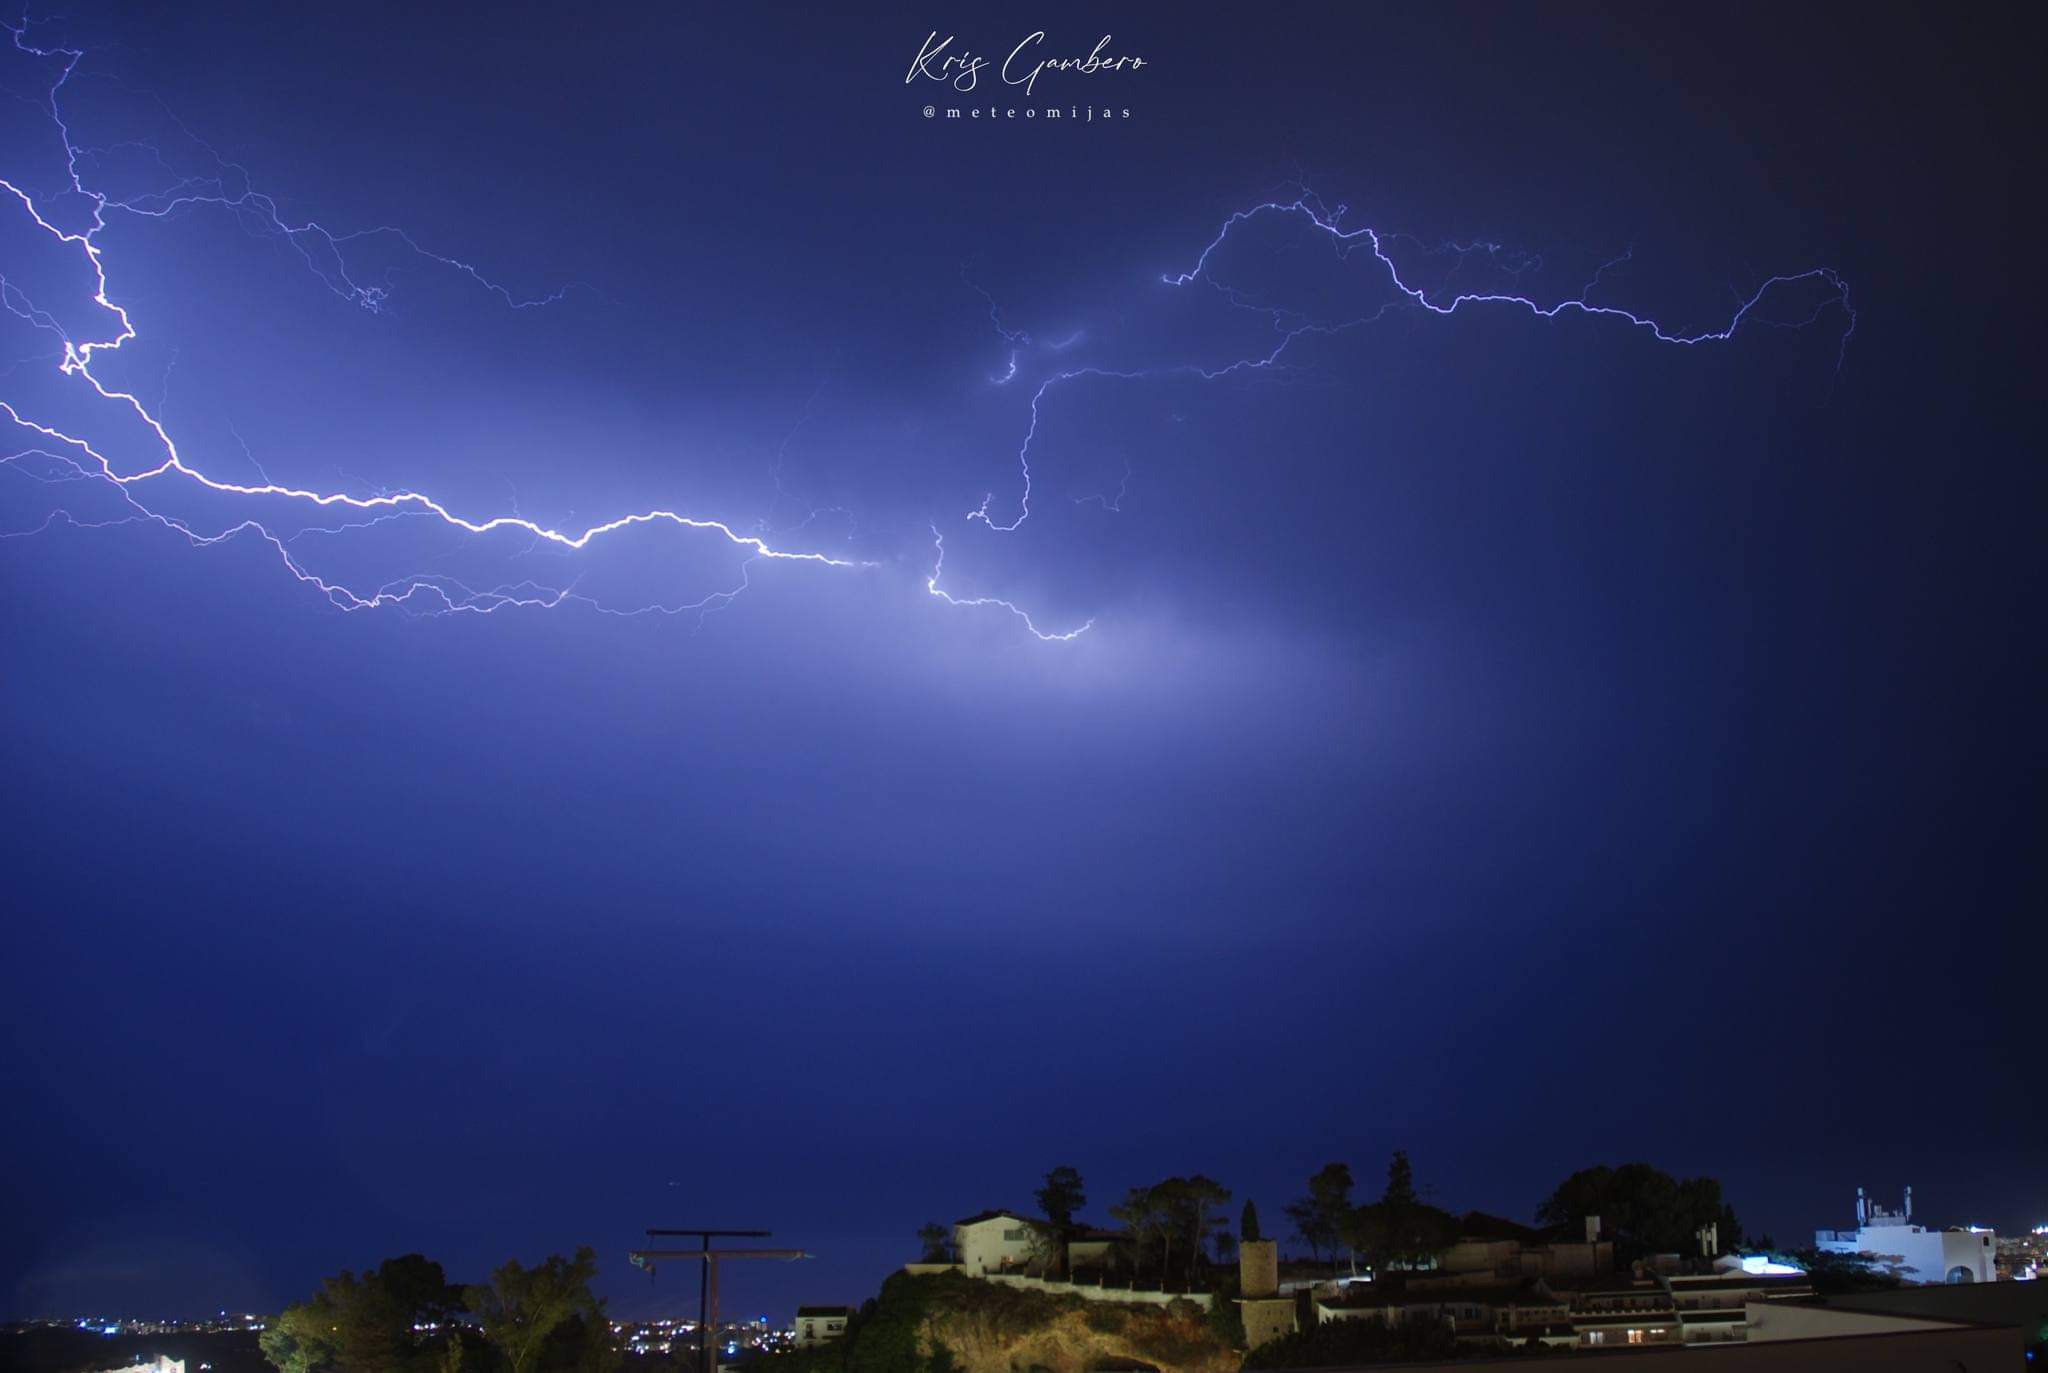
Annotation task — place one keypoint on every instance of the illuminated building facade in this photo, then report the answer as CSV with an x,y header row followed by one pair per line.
x,y
1913,1253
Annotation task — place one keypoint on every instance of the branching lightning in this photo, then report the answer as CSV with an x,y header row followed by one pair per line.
x,y
1291,327
53,455
932,585
85,461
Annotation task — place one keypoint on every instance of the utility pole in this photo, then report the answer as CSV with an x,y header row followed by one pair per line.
x,y
707,1285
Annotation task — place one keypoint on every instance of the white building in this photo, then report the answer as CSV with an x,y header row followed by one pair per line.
x,y
1893,1244
817,1324
992,1242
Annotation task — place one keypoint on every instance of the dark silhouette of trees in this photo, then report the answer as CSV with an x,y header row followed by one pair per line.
x,y
1400,1228
366,1324
405,1317
1833,1274
937,1241
1645,1210
1248,1224
1319,1217
1139,1215
545,1317
1189,1214
1062,1196
1183,1216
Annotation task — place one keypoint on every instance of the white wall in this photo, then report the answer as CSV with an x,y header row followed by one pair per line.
x,y
985,1245
1118,1296
1923,1255
818,1329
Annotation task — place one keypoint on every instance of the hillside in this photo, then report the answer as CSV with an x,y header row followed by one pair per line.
x,y
948,1323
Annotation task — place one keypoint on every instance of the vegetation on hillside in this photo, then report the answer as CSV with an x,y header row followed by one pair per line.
x,y
950,1323
1399,1228
1643,1209
404,1316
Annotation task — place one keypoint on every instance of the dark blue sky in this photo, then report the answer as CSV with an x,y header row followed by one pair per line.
x,y
1520,742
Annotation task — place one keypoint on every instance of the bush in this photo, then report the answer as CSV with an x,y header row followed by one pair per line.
x,y
884,1336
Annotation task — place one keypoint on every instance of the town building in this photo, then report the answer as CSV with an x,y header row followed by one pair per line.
x,y
1498,1246
2023,1258
820,1324
1095,1250
993,1242
1912,1253
1503,1284
1266,1314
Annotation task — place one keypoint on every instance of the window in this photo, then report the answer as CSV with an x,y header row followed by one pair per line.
x,y
1015,1234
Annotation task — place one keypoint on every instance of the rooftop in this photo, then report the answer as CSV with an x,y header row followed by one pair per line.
x,y
1478,1225
1740,1282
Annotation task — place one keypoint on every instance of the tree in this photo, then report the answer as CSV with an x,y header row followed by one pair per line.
x,y
1645,1210
1833,1274
1061,1196
1248,1223
1701,1204
521,1307
1202,1201
1189,1212
302,1339
1319,1217
1400,1228
937,1241
1308,1223
1048,1247
367,1324
1138,1213
582,1344
1166,1201
1400,1181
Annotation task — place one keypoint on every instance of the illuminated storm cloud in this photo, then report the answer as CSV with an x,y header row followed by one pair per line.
x,y
313,532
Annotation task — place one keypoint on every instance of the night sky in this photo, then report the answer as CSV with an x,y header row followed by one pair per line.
x,y
1515,740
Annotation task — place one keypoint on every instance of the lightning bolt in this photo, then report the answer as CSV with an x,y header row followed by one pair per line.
x,y
323,251
55,456
932,585
1291,327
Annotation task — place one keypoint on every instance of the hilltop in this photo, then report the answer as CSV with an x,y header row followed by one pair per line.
x,y
951,1323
